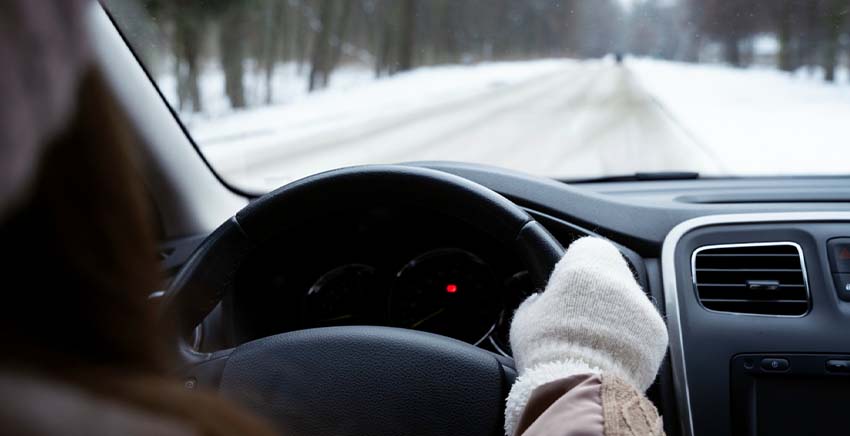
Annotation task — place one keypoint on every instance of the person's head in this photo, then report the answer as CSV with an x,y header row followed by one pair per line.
x,y
80,257
75,224
82,342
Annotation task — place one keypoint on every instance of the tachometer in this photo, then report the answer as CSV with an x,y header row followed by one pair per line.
x,y
450,292
517,288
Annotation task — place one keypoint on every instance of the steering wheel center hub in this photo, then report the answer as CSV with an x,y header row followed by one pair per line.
x,y
369,380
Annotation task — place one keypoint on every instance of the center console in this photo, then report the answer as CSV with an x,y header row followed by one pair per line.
x,y
758,319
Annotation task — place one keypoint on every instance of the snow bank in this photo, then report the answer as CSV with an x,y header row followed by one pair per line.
x,y
756,122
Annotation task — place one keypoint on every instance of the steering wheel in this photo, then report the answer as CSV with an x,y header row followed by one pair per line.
x,y
355,380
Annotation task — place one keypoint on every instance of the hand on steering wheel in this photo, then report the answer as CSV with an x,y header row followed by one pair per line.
x,y
593,318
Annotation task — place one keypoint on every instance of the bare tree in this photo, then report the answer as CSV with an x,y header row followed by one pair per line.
x,y
834,22
274,26
333,18
407,30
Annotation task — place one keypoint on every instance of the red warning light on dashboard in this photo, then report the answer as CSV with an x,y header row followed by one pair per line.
x,y
451,288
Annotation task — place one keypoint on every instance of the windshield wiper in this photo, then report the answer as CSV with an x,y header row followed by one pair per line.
x,y
641,177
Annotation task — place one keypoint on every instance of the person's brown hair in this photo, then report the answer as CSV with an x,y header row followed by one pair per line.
x,y
80,261
80,254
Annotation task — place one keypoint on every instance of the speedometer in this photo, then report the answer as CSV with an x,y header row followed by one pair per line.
x,y
340,297
449,292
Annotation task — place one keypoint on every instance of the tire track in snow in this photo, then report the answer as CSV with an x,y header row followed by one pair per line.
x,y
451,135
333,141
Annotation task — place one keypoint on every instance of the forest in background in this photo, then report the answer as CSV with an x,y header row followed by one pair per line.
x,y
256,37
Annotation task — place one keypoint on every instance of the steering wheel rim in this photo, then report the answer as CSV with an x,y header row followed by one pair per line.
x,y
208,276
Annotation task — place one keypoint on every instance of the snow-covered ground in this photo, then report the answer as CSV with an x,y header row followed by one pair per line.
x,y
239,141
757,122
559,118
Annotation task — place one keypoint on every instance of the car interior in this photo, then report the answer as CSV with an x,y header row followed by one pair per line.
x,y
752,276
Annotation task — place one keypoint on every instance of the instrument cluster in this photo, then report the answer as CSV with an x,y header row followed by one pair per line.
x,y
448,291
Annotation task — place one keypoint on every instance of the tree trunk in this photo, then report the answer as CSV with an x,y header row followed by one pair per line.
x,y
407,34
302,37
188,36
193,82
385,44
785,33
340,34
320,60
234,86
232,37
274,34
810,44
834,22
830,60
693,41
732,50
786,50
182,88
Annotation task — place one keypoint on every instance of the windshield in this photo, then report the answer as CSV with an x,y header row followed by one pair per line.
x,y
274,90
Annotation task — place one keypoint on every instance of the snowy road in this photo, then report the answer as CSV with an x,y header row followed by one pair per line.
x,y
581,119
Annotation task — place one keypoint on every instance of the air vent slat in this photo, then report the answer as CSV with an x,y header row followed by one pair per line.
x,y
762,279
732,300
748,255
742,285
747,269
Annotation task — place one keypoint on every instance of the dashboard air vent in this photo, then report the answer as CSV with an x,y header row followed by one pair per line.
x,y
763,278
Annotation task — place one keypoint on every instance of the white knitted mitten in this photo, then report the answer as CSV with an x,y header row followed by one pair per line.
x,y
592,317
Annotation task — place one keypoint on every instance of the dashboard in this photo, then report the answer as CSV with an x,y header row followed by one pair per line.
x,y
745,271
